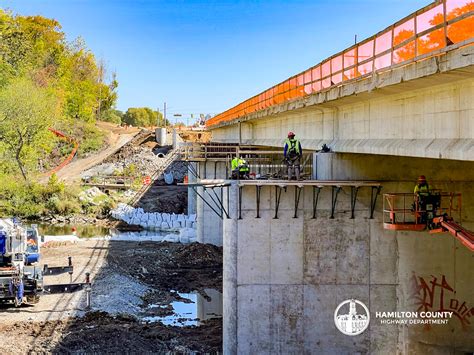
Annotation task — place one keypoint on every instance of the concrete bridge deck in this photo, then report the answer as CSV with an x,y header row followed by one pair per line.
x,y
367,99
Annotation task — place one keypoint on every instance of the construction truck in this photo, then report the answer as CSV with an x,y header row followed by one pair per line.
x,y
21,278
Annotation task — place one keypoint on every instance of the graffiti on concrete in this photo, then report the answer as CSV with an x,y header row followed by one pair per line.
x,y
435,294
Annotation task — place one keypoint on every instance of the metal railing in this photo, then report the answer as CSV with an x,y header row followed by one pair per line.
x,y
203,151
403,208
263,161
432,30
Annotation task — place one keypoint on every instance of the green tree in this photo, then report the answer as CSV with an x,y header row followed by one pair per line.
x,y
26,112
112,115
143,117
35,46
33,49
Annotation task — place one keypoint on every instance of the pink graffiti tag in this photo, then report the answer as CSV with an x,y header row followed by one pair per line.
x,y
433,296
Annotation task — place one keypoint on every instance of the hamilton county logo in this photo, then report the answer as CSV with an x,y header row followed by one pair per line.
x,y
348,320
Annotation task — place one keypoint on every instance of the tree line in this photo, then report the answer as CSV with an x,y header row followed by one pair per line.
x,y
136,116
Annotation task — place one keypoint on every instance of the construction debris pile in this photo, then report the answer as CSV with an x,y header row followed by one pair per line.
x,y
141,158
143,154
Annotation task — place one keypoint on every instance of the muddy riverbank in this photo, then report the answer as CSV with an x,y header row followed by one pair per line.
x,y
159,297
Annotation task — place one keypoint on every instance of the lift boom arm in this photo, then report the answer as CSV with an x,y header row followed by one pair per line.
x,y
465,236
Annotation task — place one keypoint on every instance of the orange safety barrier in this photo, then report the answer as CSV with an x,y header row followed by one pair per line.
x,y
426,32
70,156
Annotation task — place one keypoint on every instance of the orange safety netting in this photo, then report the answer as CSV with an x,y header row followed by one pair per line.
x,y
423,33
71,155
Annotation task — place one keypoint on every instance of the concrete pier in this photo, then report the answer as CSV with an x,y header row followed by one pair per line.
x,y
291,273
230,303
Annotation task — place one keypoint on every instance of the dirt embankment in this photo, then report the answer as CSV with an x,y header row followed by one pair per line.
x,y
169,266
117,137
127,278
144,156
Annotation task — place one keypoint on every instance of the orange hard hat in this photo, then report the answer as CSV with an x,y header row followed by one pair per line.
x,y
291,134
421,178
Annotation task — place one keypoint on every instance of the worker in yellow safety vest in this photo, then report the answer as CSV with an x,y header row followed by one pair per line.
x,y
240,168
421,192
422,188
292,153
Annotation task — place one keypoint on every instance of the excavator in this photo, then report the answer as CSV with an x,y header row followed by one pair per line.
x,y
409,212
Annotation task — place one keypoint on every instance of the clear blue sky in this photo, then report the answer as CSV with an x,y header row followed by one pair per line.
x,y
206,56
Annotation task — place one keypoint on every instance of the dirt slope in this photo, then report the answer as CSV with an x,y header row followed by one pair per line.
x,y
117,138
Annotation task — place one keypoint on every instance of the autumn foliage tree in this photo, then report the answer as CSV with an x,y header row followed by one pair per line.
x,y
46,81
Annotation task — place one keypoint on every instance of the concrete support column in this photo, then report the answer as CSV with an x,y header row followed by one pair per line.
x,y
314,172
209,229
174,139
192,197
200,216
230,273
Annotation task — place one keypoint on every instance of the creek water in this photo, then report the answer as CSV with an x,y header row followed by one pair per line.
x,y
82,231
193,311
65,232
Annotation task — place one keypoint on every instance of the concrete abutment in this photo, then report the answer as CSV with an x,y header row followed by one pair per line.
x,y
283,278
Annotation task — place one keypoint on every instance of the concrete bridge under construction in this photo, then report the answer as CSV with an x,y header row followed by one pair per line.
x,y
392,107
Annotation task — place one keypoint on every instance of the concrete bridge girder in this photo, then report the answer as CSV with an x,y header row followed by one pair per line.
x,y
424,109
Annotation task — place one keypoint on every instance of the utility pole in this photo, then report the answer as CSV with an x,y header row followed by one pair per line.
x,y
100,79
164,113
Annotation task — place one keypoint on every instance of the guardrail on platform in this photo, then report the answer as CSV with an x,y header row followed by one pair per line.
x,y
438,27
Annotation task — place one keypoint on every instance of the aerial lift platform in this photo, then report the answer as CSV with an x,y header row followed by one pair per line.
x,y
434,213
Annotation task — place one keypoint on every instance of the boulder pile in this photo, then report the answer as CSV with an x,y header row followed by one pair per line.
x,y
185,235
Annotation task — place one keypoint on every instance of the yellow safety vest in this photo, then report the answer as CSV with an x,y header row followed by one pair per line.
x,y
293,143
422,190
240,164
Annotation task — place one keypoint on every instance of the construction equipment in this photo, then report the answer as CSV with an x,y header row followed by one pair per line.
x,y
20,276
447,224
409,212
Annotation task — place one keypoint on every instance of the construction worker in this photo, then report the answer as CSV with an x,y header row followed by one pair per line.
x,y
422,188
292,154
240,168
421,192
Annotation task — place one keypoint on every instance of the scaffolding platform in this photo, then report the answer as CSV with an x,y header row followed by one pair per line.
x,y
280,185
